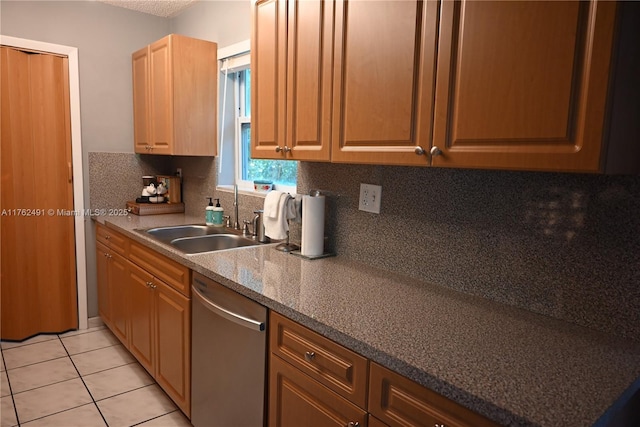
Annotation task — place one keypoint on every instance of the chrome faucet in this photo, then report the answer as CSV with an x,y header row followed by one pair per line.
x,y
236,223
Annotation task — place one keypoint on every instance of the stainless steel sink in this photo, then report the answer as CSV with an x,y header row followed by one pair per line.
x,y
214,242
194,239
167,234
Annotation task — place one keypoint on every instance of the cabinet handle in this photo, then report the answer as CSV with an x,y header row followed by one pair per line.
x,y
419,150
309,355
148,284
352,424
435,151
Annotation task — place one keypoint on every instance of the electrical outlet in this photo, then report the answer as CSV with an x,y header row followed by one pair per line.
x,y
370,198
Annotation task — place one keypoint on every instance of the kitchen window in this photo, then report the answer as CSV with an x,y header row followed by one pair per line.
x,y
235,165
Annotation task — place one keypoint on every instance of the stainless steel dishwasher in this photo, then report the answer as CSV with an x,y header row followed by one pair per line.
x,y
228,357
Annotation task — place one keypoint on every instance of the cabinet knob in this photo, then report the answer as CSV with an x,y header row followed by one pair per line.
x,y
419,150
309,355
287,149
278,149
435,151
352,424
148,284
153,286
107,237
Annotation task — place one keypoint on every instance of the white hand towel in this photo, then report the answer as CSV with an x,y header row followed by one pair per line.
x,y
277,227
271,202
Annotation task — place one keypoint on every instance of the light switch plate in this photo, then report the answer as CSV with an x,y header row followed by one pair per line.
x,y
370,198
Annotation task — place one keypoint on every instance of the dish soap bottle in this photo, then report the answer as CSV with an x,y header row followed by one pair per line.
x,y
208,213
218,214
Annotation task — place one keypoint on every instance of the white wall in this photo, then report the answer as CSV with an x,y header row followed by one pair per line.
x,y
223,22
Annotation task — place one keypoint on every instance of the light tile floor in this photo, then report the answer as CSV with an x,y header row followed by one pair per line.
x,y
80,379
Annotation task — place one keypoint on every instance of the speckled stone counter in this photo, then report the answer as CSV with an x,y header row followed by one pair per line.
x,y
513,366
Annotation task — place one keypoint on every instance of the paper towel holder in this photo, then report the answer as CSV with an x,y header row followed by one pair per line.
x,y
286,246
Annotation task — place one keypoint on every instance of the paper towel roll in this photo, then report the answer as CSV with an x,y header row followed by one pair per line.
x,y
312,226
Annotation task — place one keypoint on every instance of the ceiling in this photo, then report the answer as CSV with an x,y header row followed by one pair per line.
x,y
164,8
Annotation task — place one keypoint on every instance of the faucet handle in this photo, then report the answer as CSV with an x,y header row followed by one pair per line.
x,y
245,229
227,220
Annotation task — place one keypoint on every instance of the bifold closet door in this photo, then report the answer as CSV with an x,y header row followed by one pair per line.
x,y
38,289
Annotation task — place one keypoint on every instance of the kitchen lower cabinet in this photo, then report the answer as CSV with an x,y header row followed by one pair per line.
x,y
113,300
299,400
316,382
119,296
142,316
160,333
144,301
172,323
398,401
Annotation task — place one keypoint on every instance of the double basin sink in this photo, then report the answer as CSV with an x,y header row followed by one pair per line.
x,y
195,239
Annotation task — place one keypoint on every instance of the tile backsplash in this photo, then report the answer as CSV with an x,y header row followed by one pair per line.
x,y
563,245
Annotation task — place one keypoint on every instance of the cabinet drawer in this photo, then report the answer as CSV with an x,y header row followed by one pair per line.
x,y
342,370
175,275
112,239
297,400
398,401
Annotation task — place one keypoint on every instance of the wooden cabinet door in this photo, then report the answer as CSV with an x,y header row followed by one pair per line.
x,y
118,274
161,97
297,400
399,402
173,344
268,78
102,270
522,85
140,60
142,315
383,81
309,77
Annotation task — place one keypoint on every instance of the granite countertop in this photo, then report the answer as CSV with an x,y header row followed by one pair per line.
x,y
511,365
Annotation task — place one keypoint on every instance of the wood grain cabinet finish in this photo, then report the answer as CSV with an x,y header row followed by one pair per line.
x,y
336,367
172,273
398,401
523,85
291,68
383,81
298,400
150,316
175,96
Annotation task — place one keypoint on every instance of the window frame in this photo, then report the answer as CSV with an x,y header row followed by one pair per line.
x,y
240,119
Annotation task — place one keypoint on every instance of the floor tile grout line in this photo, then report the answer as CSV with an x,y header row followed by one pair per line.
x,y
108,369
35,363
83,383
13,401
154,418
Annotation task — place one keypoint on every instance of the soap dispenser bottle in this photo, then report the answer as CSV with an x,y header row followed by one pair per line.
x,y
218,214
208,213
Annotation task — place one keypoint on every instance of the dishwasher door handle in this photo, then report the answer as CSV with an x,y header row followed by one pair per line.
x,y
229,315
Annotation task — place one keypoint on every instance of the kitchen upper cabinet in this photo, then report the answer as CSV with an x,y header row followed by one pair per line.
x,y
175,96
523,85
291,68
383,81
